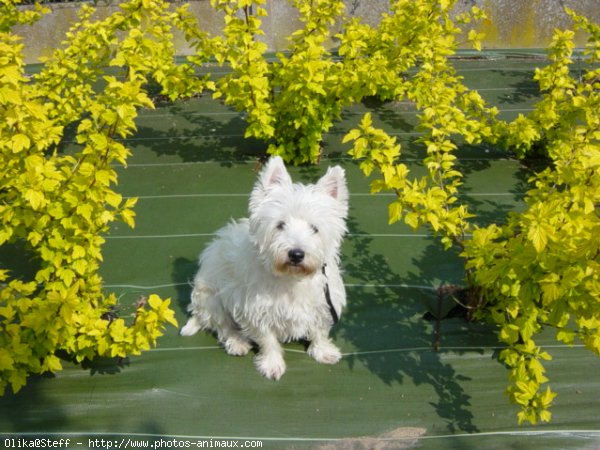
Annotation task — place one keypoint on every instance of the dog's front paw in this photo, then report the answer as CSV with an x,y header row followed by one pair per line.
x,y
324,352
271,365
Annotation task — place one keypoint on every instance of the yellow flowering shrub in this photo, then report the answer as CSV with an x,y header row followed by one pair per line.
x,y
56,204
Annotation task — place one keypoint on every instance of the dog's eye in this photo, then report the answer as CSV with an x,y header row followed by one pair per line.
x,y
315,229
280,225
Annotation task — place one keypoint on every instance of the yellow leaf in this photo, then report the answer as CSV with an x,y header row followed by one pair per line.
x,y
20,142
104,177
5,235
538,237
475,39
351,136
395,212
80,266
127,215
52,364
537,370
85,210
366,122
509,334
99,141
162,308
6,361
547,397
589,206
155,301
566,336
35,198
433,220
545,416
117,330
17,380
113,199
67,275
78,252
412,220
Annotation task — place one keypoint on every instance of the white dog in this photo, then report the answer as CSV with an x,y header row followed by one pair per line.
x,y
275,277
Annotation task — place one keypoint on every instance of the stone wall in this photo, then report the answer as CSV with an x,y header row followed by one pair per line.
x,y
511,24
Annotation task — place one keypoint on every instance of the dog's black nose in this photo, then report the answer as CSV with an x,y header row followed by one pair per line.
x,y
296,255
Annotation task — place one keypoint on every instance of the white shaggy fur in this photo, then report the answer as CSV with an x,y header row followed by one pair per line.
x,y
261,280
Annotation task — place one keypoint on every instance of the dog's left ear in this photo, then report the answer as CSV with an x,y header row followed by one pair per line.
x,y
334,184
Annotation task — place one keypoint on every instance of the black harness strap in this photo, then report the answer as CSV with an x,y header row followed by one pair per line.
x,y
332,311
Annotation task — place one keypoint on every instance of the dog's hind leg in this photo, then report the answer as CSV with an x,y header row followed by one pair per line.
x,y
207,313
192,326
200,315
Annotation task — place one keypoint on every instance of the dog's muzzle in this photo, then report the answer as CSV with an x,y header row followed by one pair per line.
x,y
297,262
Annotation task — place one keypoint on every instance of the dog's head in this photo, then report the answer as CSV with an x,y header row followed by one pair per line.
x,y
297,228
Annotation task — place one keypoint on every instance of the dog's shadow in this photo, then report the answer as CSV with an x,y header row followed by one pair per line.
x,y
183,273
384,324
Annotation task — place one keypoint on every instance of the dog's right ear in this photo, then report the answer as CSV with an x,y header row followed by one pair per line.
x,y
274,173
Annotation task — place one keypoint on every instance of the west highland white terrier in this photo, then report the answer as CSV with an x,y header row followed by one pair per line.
x,y
275,276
